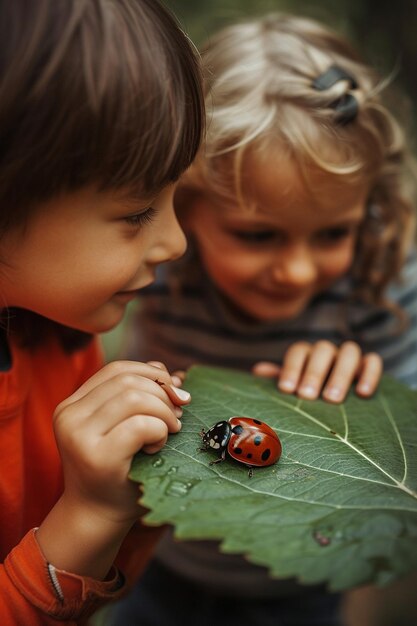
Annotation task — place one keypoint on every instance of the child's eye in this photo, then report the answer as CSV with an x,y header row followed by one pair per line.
x,y
140,219
253,236
333,235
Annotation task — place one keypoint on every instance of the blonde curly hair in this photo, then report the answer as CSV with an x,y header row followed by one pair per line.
x,y
260,95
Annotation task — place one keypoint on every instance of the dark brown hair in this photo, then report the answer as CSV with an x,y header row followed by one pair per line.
x,y
92,91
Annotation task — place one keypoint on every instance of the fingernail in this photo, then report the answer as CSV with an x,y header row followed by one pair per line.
x,y
176,380
364,388
178,411
181,393
308,391
334,393
287,385
179,424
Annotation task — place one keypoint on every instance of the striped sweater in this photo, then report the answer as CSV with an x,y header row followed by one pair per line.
x,y
194,325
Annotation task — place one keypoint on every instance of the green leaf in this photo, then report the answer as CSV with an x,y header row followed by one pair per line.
x,y
339,507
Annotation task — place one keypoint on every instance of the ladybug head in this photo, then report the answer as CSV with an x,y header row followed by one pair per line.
x,y
217,436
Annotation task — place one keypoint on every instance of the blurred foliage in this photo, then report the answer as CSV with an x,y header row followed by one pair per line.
x,y
383,32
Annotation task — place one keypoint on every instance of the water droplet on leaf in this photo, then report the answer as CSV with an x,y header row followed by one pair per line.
x,y
178,488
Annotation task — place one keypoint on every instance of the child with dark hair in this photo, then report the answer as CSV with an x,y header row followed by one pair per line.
x,y
101,110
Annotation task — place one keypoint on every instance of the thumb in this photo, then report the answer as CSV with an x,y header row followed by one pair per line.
x,y
266,369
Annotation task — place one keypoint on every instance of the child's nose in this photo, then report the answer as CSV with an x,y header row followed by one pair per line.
x,y
178,243
296,267
170,244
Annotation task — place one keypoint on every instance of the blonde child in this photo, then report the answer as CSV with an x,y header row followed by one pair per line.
x,y
299,267
101,110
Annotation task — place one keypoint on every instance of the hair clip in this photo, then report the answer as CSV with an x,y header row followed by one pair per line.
x,y
374,218
347,106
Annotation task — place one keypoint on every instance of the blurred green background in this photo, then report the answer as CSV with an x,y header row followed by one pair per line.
x,y
384,32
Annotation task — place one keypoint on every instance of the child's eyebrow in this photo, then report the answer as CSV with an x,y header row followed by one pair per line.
x,y
252,223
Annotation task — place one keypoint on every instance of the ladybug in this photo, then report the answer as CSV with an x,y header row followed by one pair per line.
x,y
245,439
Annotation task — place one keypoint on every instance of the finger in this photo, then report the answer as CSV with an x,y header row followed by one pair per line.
x,y
174,391
139,432
294,361
158,364
178,377
116,368
177,395
138,402
317,368
344,372
370,374
266,369
97,395
130,382
104,407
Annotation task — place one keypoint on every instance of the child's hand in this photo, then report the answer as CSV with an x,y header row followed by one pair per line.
x,y
311,370
125,407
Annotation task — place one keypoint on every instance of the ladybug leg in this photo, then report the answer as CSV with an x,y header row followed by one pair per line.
x,y
250,471
220,459
216,461
203,445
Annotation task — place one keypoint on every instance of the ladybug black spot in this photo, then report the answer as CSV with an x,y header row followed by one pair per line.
x,y
237,430
257,422
257,440
249,455
237,450
266,454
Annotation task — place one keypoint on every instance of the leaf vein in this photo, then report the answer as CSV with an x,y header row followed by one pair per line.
x,y
286,498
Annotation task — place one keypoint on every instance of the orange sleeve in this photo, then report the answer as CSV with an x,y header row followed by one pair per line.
x,y
33,592
136,551
88,361
36,594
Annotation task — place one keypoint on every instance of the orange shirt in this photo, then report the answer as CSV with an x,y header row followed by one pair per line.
x,y
32,593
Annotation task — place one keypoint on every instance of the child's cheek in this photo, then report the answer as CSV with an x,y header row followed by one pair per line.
x,y
338,263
